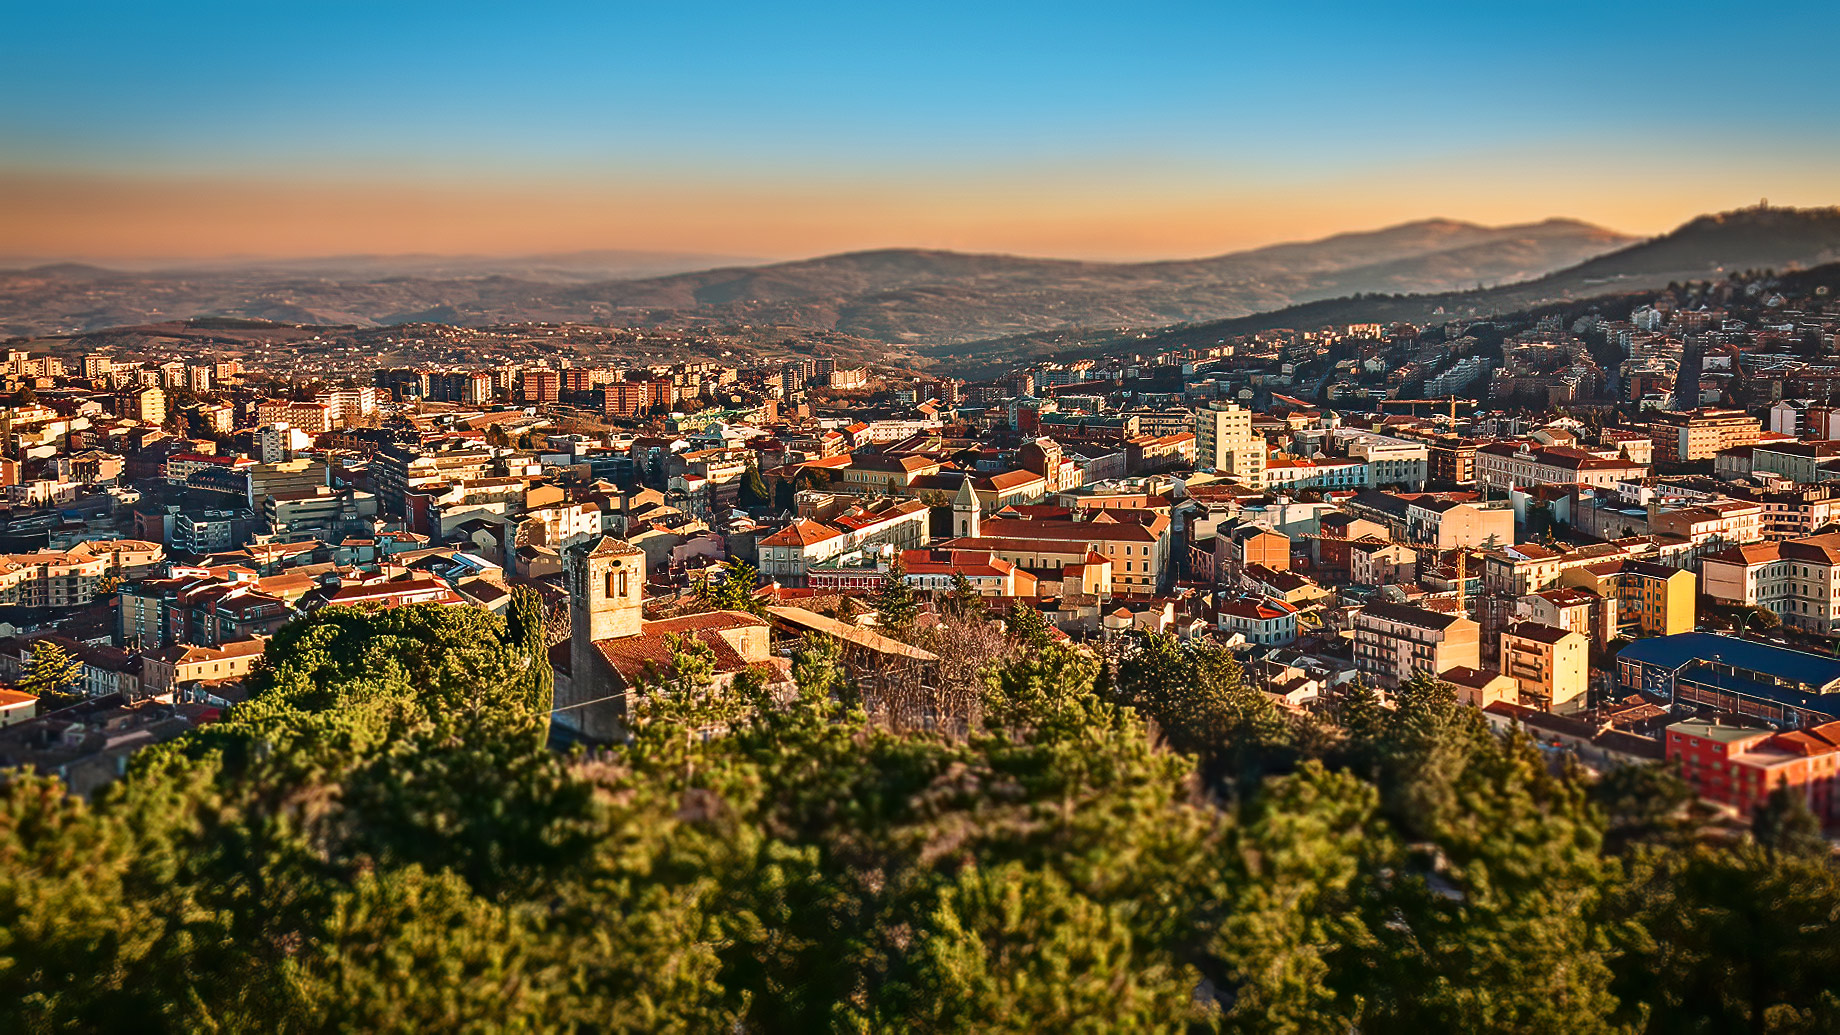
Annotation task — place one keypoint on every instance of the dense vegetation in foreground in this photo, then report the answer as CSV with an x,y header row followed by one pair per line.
x,y
380,841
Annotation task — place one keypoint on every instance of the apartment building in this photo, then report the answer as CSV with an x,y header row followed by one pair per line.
x,y
1450,524
1569,608
172,667
1552,666
325,513
399,469
1650,599
1709,526
937,571
1804,463
144,404
1452,461
1501,465
1225,442
1515,571
1136,543
1260,620
1738,766
1379,562
1797,580
1392,642
1391,462
1298,474
787,555
1702,434
885,474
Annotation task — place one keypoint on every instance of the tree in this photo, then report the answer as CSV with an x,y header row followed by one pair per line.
x,y
527,625
377,839
964,601
753,492
107,585
1642,804
1027,626
1786,828
734,591
51,672
1199,698
896,601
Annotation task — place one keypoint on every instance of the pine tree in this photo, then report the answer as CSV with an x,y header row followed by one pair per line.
x,y
896,601
964,601
527,623
1026,626
753,492
51,672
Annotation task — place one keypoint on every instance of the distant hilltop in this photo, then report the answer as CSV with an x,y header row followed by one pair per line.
x,y
953,306
896,295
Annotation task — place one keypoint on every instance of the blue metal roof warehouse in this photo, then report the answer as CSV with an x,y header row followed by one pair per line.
x,y
1730,674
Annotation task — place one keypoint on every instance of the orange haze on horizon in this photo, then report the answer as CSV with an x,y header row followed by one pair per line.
x,y
46,216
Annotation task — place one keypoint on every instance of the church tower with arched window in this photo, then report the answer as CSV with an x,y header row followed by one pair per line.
x,y
967,511
613,650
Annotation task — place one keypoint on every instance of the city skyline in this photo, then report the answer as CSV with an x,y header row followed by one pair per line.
x,y
1077,132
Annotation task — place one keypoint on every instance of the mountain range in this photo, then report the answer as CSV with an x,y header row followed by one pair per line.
x,y
954,309
895,295
1705,247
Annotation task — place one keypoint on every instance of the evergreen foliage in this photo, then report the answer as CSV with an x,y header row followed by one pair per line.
x,y
378,841
51,672
734,591
896,601
753,491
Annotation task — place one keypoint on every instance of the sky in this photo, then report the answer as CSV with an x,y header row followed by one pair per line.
x,y
1111,131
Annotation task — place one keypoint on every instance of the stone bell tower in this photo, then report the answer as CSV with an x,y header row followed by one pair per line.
x,y
606,602
607,591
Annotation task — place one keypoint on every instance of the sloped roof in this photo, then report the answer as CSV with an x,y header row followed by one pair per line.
x,y
611,547
857,636
802,532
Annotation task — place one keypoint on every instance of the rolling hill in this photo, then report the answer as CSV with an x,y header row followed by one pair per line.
x,y
1705,247
895,295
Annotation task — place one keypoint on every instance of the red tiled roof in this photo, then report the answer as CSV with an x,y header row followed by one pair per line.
x,y
631,656
1108,530
701,621
802,532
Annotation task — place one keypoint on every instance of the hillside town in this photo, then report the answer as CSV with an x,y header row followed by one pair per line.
x,y
1616,526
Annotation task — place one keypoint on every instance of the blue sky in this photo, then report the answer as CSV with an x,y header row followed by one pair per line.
x,y
1135,109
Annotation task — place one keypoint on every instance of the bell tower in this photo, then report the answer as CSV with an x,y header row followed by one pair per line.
x,y
607,591
606,602
967,511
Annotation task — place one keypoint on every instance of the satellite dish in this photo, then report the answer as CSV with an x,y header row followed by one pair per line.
x,y
1393,594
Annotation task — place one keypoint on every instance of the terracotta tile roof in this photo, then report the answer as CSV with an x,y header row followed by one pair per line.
x,y
802,532
632,656
701,621
1821,549
1012,479
1109,530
